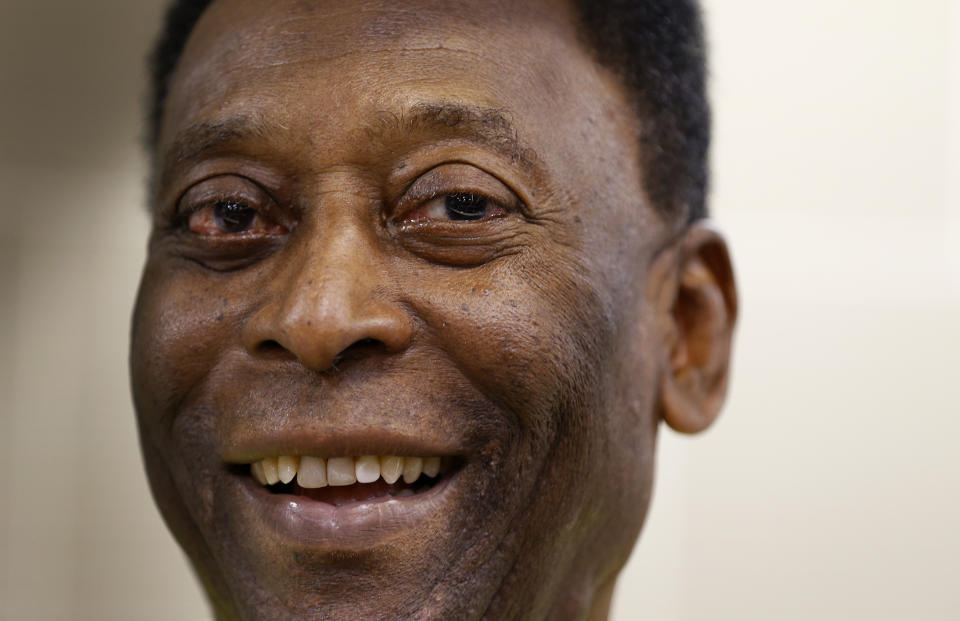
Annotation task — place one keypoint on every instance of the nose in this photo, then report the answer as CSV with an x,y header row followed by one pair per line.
x,y
328,302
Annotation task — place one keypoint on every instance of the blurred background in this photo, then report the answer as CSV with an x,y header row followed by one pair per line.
x,y
828,490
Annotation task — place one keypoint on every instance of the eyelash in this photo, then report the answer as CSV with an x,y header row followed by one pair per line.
x,y
457,203
458,206
415,198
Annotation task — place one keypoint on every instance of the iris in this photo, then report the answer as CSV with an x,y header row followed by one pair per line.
x,y
233,216
465,206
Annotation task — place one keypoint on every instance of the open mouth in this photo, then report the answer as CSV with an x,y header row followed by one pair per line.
x,y
341,481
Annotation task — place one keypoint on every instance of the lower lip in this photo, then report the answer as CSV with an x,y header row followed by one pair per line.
x,y
358,525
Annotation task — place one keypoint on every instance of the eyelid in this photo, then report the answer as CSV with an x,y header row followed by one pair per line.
x,y
208,191
240,189
441,181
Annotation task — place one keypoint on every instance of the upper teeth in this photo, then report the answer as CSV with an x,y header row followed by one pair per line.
x,y
313,472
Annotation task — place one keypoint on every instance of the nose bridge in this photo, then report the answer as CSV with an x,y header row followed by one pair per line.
x,y
331,294
332,276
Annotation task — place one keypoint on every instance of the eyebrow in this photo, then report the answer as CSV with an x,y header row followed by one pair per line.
x,y
490,127
211,135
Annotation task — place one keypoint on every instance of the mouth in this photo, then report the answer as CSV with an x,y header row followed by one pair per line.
x,y
340,481
338,503
340,491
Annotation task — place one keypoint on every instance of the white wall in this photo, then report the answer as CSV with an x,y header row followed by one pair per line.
x,y
829,488
72,243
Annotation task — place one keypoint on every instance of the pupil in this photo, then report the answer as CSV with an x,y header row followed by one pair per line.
x,y
462,206
233,216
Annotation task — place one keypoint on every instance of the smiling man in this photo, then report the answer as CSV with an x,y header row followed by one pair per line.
x,y
424,278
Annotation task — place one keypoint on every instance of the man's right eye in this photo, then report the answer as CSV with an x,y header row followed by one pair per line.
x,y
229,207
231,217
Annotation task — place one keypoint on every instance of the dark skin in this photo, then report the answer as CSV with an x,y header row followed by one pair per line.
x,y
415,230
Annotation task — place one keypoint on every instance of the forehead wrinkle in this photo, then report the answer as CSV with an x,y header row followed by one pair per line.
x,y
488,126
294,27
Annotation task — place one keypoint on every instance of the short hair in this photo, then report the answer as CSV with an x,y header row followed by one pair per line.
x,y
657,49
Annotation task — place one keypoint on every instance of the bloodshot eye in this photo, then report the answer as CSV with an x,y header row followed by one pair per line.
x,y
230,217
230,207
233,216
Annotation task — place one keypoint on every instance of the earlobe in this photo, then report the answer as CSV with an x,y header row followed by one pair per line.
x,y
697,312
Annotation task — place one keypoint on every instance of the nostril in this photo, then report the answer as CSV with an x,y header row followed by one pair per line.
x,y
273,349
359,349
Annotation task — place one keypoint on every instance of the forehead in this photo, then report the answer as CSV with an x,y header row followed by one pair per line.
x,y
400,39
332,63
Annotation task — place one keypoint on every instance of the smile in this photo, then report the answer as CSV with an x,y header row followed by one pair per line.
x,y
326,501
341,481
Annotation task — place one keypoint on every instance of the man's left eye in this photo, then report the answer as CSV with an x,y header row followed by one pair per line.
x,y
457,207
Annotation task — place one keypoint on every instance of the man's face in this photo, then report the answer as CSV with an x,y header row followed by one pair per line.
x,y
396,230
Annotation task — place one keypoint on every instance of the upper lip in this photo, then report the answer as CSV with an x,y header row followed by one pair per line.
x,y
265,412
250,446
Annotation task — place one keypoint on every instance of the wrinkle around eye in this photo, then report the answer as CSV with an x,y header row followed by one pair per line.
x,y
217,254
459,250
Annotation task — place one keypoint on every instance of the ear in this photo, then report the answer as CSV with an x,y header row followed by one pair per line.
x,y
696,303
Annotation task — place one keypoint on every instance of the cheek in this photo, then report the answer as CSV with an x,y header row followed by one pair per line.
x,y
181,322
179,326
528,338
